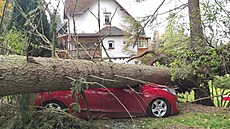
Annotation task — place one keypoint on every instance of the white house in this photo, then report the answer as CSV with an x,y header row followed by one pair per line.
x,y
88,29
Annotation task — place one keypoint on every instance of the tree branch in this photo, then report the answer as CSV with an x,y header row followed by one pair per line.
x,y
145,53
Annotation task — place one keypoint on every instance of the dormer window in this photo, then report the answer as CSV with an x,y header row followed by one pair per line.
x,y
111,44
107,16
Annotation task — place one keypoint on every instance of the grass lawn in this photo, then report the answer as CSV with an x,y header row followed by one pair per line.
x,y
191,116
188,120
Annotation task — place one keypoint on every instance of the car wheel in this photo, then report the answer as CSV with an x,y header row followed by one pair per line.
x,y
159,108
54,105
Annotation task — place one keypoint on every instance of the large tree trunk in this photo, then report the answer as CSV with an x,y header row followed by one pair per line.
x,y
196,31
48,74
196,41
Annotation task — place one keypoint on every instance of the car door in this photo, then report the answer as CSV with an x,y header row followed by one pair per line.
x,y
94,102
116,102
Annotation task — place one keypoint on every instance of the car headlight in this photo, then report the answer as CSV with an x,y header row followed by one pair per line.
x,y
170,90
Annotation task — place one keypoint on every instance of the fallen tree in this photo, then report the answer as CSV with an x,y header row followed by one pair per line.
x,y
17,75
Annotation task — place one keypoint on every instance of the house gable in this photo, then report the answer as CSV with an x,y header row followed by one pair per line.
x,y
85,16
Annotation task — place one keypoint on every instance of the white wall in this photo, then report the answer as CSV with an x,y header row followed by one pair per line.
x,y
121,61
118,50
87,23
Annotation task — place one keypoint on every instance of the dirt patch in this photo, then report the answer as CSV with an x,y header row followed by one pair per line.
x,y
188,107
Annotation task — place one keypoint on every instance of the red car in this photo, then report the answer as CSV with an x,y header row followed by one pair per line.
x,y
144,100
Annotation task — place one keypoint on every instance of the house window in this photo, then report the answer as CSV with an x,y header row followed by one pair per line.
x,y
136,62
111,44
107,18
142,44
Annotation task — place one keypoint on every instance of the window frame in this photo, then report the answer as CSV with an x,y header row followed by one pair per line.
x,y
112,42
142,44
107,16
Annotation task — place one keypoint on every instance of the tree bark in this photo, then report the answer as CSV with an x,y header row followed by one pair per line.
x,y
196,31
196,42
48,74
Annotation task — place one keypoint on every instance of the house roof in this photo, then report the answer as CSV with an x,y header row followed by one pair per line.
x,y
112,31
86,34
81,6
108,30
77,6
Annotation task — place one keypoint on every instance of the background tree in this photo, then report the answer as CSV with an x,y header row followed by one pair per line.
x,y
196,31
36,15
5,7
175,36
196,60
215,17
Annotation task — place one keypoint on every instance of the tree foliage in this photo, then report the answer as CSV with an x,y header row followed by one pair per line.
x,y
203,64
222,81
2,4
175,36
5,7
15,42
194,56
215,18
35,15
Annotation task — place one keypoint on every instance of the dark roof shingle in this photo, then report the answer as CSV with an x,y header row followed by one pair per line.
x,y
112,31
77,6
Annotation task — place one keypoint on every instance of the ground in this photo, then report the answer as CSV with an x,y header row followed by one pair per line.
x,y
191,108
191,116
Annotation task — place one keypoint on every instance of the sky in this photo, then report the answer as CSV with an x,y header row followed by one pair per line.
x,y
148,8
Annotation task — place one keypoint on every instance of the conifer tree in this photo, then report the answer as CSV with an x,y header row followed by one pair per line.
x,y
35,14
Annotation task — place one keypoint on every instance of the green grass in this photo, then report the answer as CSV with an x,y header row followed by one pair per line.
x,y
217,120
188,120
